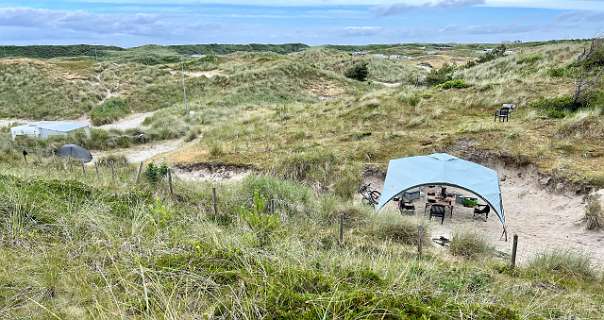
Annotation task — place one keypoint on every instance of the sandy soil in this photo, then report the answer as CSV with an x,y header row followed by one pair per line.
x,y
196,74
132,121
212,172
389,84
544,220
143,152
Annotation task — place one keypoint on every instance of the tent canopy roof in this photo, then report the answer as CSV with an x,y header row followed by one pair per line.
x,y
442,169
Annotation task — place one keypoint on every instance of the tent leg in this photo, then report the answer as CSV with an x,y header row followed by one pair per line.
x,y
504,233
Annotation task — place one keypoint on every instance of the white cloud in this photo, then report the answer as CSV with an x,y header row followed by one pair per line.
x,y
362,31
401,7
140,24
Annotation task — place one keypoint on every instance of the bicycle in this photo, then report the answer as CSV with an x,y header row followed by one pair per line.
x,y
369,195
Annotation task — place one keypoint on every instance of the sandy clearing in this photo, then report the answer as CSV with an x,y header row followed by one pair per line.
x,y
544,220
143,152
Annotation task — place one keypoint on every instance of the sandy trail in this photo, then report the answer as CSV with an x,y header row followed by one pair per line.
x,y
132,121
142,152
389,84
544,220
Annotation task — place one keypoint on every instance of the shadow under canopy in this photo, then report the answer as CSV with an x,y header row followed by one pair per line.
x,y
443,169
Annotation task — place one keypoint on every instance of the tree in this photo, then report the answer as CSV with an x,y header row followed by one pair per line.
x,y
359,71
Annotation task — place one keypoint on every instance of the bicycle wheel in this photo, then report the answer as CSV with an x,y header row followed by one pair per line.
x,y
375,196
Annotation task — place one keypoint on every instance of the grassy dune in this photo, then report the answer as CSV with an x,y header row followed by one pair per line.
x,y
74,248
75,245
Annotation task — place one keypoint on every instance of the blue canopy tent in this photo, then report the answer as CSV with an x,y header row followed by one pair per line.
x,y
443,169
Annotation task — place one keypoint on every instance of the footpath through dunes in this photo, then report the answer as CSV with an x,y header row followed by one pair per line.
x,y
544,219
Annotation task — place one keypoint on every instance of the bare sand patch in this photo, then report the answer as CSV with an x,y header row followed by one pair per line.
x,y
212,172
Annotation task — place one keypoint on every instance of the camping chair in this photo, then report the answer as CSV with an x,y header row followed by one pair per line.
x,y
406,206
502,114
438,210
482,210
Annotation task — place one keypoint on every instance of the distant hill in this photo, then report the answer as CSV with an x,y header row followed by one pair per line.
x,y
54,51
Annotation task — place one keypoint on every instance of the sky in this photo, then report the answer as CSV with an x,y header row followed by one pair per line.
x,y
131,23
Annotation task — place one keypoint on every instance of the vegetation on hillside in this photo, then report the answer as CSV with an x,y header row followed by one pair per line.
x,y
77,247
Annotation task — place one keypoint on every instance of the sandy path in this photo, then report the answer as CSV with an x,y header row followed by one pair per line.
x,y
142,152
132,121
544,220
389,84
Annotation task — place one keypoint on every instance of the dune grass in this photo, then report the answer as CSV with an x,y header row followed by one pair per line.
x,y
74,247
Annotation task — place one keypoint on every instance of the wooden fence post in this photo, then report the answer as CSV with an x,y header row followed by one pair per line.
x,y
138,174
170,182
214,201
341,230
514,250
420,239
83,168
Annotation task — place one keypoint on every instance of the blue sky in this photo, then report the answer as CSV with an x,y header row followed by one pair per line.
x,y
136,22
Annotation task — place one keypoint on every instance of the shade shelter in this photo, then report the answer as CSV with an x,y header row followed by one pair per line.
x,y
73,151
443,169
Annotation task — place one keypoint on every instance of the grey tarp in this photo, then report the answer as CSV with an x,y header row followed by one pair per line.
x,y
442,169
74,152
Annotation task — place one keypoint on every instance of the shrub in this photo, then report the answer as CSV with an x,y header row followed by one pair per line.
x,y
109,111
557,72
468,245
154,173
442,75
359,71
453,84
564,264
556,107
594,215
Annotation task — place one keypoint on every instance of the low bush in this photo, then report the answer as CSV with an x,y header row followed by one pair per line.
x,y
453,84
359,71
109,111
154,173
442,75
557,72
565,264
556,107
468,245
